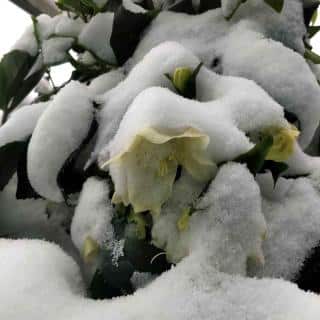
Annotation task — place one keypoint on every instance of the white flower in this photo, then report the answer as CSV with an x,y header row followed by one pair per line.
x,y
144,173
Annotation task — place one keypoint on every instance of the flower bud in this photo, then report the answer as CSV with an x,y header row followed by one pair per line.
x,y
181,77
283,143
183,222
90,249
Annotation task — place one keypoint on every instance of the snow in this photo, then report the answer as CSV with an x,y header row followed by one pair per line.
x,y
68,27
280,71
292,213
192,290
245,239
106,82
96,34
55,50
93,214
30,219
21,123
59,131
27,42
229,7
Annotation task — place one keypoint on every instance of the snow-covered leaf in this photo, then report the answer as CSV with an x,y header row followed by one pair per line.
x,y
59,132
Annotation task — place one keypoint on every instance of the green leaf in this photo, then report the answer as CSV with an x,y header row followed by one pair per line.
x,y
313,30
255,158
292,118
184,81
14,66
26,87
126,32
276,5
206,5
184,6
314,17
276,169
309,12
312,56
145,257
24,188
111,279
72,174
9,158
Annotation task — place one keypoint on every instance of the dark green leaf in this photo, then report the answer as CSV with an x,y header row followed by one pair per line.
x,y
116,274
72,175
276,5
145,257
24,188
127,29
206,5
26,87
313,30
308,277
254,158
14,67
120,220
191,90
309,11
310,55
276,169
112,279
9,158
185,6
292,118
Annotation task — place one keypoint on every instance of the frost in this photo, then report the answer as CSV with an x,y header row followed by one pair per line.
x,y
59,131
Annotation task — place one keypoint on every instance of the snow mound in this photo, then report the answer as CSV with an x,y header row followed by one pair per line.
x,y
192,290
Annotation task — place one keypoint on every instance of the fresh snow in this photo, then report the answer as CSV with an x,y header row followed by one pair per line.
x,y
93,214
192,290
246,238
21,123
59,131
96,34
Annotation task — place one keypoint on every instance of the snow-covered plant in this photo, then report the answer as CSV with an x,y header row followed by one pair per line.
x,y
179,161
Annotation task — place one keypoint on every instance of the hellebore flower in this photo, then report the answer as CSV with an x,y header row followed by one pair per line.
x,y
283,143
90,249
144,173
